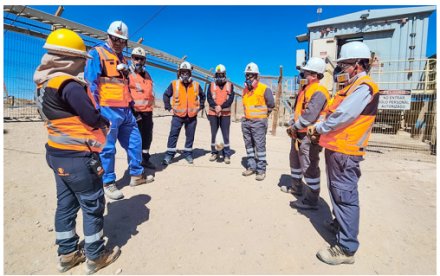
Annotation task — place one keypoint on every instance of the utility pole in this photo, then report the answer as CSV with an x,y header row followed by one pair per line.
x,y
277,103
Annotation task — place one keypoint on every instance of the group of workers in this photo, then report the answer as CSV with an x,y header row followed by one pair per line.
x,y
89,100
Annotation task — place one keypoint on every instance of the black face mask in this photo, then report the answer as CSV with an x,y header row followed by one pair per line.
x,y
185,77
220,79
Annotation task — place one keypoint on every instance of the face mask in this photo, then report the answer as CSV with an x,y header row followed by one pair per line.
x,y
251,84
303,82
341,78
220,79
139,67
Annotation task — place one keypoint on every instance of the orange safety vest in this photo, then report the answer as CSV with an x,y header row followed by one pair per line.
x,y
185,101
220,96
303,100
66,130
353,138
141,90
113,86
254,104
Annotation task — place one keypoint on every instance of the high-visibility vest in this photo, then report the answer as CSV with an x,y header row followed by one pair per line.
x,y
254,104
220,96
141,90
65,129
113,86
352,139
185,100
303,100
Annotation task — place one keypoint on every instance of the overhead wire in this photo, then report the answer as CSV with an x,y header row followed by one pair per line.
x,y
149,20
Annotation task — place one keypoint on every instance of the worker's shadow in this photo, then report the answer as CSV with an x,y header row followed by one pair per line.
x,y
244,162
316,217
123,217
197,153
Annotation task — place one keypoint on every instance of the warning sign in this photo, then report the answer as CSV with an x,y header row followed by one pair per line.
x,y
395,99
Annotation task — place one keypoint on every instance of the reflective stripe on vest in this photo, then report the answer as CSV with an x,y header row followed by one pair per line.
x,y
303,100
352,139
142,92
113,87
185,101
220,96
66,130
254,103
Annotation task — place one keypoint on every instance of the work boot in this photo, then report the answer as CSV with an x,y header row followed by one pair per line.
x,y
248,172
67,261
303,204
334,255
294,190
112,192
107,257
332,226
167,160
140,179
189,159
227,160
260,176
213,157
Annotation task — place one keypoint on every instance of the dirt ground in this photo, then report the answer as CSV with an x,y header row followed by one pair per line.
x,y
208,219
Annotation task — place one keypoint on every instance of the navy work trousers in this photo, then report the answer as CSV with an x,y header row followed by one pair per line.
x,y
78,187
177,122
224,123
343,173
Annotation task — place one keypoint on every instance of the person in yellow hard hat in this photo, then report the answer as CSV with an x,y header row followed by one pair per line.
x,y
76,134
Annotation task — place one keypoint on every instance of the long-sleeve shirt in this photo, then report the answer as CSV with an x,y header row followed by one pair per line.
x,y
348,110
228,101
93,70
268,97
311,113
76,97
169,93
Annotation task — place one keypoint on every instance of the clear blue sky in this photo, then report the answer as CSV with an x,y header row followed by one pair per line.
x,y
208,35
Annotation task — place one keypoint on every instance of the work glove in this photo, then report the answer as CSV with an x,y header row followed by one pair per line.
x,y
313,134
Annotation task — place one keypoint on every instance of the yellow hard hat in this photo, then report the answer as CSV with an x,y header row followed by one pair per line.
x,y
66,42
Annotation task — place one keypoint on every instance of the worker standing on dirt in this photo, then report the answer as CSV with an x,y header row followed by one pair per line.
x,y
77,133
304,153
107,75
344,135
220,96
258,102
141,89
184,98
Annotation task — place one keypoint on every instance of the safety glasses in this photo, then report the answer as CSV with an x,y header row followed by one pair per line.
x,y
345,65
250,75
139,58
117,39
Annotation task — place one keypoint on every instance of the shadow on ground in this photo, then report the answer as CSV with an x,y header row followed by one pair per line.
x,y
121,223
316,217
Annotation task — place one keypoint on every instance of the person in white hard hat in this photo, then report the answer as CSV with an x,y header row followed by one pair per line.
x,y
304,151
344,135
184,98
107,75
258,102
141,89
220,96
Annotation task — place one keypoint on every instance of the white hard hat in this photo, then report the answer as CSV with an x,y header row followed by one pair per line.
x,y
185,65
118,29
354,50
138,51
220,68
251,68
315,64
